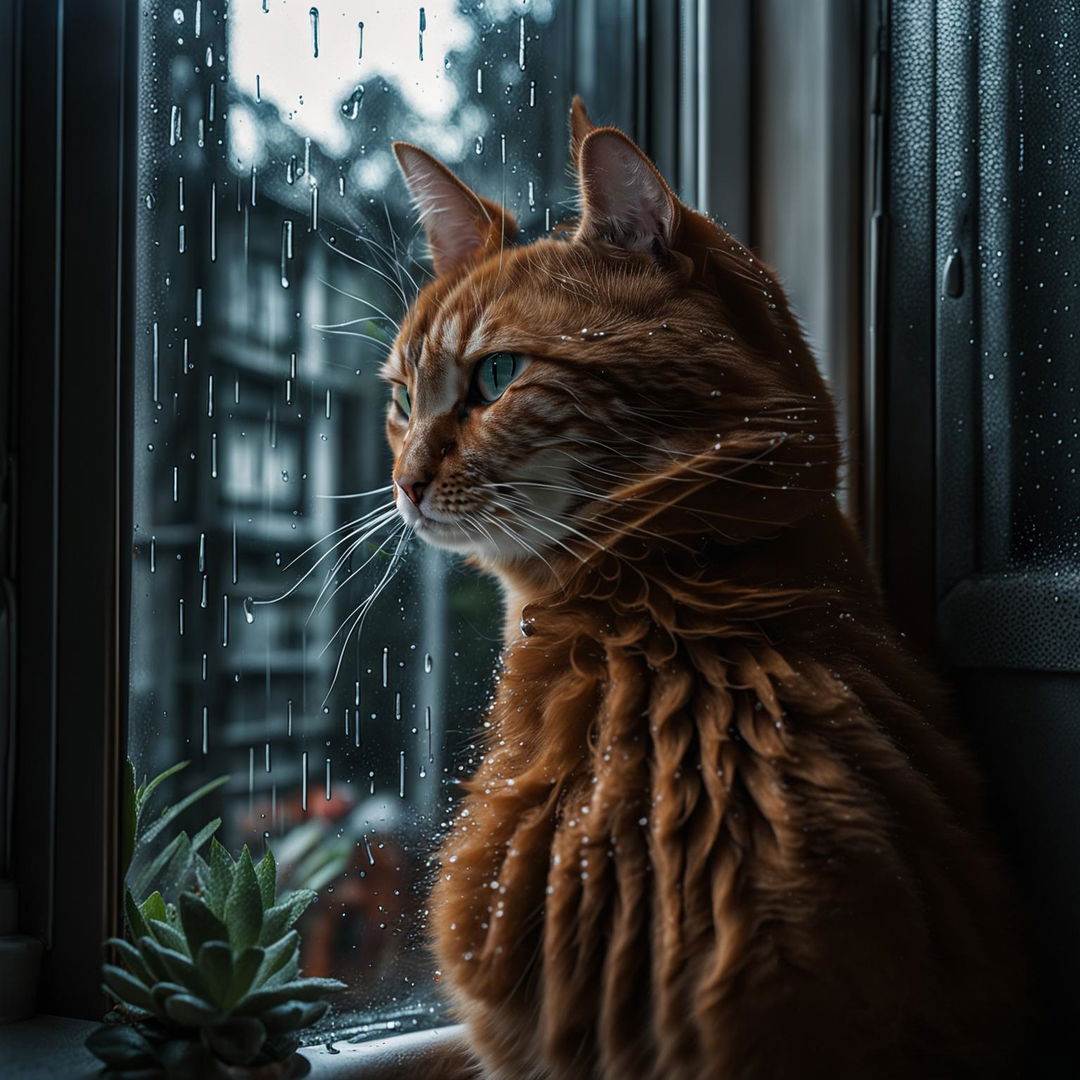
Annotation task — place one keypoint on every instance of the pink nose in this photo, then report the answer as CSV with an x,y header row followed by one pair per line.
x,y
413,487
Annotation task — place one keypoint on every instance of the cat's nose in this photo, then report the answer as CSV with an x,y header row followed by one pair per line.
x,y
414,487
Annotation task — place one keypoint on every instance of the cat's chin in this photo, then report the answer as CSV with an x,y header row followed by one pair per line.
x,y
461,540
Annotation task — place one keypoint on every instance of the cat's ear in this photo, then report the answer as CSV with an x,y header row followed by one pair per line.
x,y
625,201
460,225
580,126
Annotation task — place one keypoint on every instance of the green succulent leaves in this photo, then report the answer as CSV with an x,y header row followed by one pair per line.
x,y
220,967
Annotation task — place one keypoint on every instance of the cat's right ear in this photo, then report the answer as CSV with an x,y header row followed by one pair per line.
x,y
461,226
625,201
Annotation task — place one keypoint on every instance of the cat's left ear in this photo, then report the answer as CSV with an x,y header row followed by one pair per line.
x,y
461,226
625,201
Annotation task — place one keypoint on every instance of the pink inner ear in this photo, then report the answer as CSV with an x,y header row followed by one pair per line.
x,y
455,220
626,201
451,218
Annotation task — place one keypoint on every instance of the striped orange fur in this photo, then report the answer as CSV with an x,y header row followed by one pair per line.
x,y
723,826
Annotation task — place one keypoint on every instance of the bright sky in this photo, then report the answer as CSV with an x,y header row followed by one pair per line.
x,y
277,46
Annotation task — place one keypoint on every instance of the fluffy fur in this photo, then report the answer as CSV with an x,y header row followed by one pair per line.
x,y
723,826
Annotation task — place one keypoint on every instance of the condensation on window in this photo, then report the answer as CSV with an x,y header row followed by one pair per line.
x,y
1029,270
283,629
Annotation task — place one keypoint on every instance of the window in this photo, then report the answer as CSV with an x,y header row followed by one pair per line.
x,y
285,630
211,246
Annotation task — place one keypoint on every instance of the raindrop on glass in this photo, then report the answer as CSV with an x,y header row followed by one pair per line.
x,y
249,609
350,108
314,13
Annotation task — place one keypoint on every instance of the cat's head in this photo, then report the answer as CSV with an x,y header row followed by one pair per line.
x,y
637,374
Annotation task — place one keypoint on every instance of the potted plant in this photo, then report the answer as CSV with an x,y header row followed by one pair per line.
x,y
209,986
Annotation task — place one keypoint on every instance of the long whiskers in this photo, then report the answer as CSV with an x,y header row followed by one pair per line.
x,y
355,619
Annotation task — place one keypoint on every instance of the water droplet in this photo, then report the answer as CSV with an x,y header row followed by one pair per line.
x,y
350,108
213,222
314,13
360,51
423,27
249,609
521,43
286,251
427,663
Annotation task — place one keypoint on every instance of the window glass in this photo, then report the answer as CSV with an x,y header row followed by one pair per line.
x,y
1030,261
284,630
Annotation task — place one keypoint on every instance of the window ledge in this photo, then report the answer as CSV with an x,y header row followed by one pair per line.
x,y
46,1047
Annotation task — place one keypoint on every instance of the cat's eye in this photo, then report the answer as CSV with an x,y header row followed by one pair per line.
x,y
494,373
401,399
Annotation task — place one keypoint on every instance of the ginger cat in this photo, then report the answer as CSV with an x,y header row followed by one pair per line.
x,y
723,827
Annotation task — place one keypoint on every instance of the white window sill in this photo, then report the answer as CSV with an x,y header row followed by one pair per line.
x,y
47,1047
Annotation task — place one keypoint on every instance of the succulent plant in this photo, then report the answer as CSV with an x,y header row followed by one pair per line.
x,y
211,983
151,861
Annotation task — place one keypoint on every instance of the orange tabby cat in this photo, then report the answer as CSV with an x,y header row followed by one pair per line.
x,y
723,827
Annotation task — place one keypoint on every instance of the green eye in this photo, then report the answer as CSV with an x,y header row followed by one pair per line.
x,y
494,374
401,399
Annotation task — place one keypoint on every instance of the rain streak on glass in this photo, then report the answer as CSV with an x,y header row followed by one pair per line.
x,y
286,630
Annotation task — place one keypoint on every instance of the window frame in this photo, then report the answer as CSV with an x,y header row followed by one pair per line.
x,y
71,479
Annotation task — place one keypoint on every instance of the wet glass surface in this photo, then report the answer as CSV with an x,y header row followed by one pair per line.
x,y
284,630
1030,261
